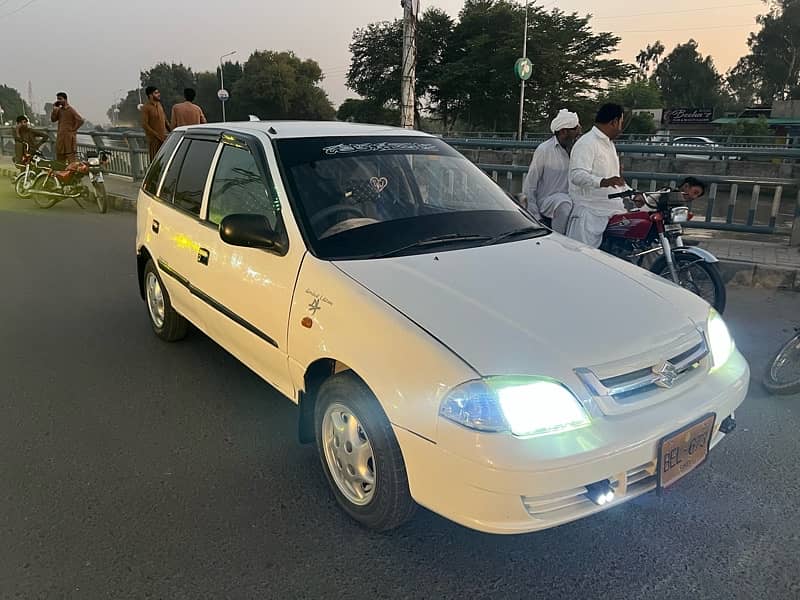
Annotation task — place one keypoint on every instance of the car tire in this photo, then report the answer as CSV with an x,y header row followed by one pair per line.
x,y
360,454
166,322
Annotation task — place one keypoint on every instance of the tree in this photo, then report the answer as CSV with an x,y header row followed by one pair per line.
x,y
12,103
171,80
641,123
686,79
771,71
635,94
376,65
647,60
367,111
748,128
465,68
278,85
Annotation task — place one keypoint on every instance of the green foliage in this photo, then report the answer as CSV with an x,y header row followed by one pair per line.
x,y
465,67
13,104
771,71
686,79
748,128
270,85
637,93
278,85
641,123
367,111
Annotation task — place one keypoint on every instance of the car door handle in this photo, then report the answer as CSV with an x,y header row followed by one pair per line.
x,y
154,226
202,256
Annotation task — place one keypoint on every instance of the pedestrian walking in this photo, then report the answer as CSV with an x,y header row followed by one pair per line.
x,y
69,121
187,113
154,120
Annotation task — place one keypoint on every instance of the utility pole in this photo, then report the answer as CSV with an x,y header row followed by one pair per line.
x,y
522,78
409,63
222,94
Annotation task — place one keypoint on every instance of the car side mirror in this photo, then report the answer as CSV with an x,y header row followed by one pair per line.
x,y
252,231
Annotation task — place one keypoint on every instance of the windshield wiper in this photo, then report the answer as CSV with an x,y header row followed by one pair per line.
x,y
515,232
437,241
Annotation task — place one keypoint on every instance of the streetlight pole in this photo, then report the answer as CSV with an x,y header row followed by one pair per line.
x,y
522,81
222,80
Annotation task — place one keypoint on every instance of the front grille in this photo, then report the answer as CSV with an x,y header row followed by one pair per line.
x,y
573,503
627,388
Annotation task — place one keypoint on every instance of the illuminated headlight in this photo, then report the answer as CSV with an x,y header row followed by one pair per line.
x,y
719,339
525,406
94,161
679,214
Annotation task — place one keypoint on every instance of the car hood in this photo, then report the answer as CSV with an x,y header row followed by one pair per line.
x,y
533,307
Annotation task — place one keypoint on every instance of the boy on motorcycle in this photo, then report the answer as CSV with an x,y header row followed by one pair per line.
x,y
25,138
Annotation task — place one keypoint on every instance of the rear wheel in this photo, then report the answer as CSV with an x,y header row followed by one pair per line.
x,y
44,183
360,454
101,196
783,371
166,322
697,276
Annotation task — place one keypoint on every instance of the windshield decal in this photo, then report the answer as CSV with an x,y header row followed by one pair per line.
x,y
379,147
379,183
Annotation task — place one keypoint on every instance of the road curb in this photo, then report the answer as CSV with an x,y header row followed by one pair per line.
x,y
755,275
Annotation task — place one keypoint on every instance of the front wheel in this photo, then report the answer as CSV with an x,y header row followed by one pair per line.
x,y
783,371
23,183
697,276
47,184
101,196
360,455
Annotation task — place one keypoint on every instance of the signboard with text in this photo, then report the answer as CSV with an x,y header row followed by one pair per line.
x,y
678,116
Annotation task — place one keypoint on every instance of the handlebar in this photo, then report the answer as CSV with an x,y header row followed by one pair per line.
x,y
625,194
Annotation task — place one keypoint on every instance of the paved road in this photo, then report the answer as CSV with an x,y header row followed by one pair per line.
x,y
130,468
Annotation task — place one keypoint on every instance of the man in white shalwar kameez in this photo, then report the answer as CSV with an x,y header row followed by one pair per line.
x,y
546,185
594,173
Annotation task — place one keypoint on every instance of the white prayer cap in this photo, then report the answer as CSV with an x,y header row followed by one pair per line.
x,y
564,120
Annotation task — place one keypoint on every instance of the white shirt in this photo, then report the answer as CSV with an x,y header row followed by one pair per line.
x,y
548,173
593,158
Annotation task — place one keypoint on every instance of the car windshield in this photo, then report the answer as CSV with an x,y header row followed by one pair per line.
x,y
369,197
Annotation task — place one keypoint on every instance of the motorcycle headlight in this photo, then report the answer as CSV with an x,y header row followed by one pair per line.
x,y
94,162
720,340
525,406
679,214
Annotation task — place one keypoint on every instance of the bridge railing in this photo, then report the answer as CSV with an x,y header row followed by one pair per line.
x,y
128,151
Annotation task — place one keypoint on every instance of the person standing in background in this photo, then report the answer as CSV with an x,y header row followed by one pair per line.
x,y
187,113
154,120
69,121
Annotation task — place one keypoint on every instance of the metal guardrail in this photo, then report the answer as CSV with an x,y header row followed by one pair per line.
x,y
129,155
723,196
664,150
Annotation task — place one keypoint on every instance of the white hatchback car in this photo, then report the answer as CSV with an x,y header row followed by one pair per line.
x,y
443,347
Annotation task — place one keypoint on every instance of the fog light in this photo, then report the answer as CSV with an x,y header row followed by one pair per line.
x,y
600,492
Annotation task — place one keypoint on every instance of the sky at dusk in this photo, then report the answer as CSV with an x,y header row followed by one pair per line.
x,y
94,49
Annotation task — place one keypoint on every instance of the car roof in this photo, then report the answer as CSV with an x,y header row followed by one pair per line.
x,y
309,129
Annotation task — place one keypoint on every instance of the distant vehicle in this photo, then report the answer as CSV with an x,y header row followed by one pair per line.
x,y
699,142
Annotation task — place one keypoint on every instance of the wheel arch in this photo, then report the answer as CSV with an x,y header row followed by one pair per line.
x,y
315,374
142,256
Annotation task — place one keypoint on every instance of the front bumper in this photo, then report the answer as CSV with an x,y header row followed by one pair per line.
x,y
500,484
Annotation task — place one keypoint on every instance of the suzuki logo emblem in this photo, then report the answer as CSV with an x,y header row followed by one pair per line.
x,y
666,374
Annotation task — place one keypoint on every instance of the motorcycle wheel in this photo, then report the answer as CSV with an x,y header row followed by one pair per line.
x,y
43,183
23,188
101,196
697,276
782,375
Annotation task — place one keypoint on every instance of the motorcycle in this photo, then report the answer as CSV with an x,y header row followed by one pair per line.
x,y
51,186
782,375
32,164
657,228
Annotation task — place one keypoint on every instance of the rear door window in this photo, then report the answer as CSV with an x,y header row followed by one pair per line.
x,y
194,173
151,180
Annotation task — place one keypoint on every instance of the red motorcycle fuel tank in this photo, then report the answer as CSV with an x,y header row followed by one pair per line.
x,y
630,226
